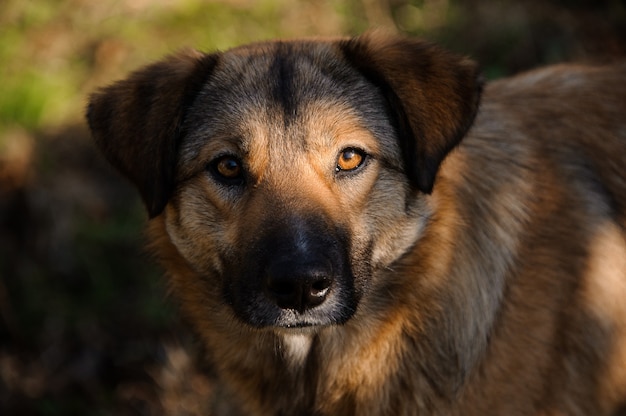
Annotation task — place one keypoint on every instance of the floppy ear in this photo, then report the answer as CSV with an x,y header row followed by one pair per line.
x,y
433,96
136,122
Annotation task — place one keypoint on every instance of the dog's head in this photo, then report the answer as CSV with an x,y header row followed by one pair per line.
x,y
286,173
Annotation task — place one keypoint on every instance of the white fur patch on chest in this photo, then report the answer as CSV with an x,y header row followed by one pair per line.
x,y
296,347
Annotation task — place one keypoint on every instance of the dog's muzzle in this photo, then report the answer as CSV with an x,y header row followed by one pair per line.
x,y
294,276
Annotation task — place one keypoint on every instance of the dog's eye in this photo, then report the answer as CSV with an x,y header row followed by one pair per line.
x,y
227,169
350,159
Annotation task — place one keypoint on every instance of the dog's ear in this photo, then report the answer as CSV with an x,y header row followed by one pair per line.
x,y
136,122
433,96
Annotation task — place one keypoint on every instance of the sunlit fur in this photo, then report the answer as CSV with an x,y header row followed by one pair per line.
x,y
482,271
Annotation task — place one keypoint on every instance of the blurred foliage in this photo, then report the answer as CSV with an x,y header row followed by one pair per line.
x,y
55,52
85,327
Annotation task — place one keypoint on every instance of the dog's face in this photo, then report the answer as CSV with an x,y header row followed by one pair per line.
x,y
287,159
286,174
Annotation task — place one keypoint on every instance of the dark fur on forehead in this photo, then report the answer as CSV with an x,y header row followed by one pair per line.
x,y
282,71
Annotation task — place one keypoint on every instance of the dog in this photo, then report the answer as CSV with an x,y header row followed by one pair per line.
x,y
362,226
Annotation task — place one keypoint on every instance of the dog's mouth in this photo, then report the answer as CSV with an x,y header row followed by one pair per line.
x,y
298,325
265,314
289,319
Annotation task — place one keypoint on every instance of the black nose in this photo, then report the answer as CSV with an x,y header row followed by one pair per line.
x,y
298,286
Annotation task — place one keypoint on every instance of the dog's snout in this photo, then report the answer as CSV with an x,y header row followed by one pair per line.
x,y
297,274
298,286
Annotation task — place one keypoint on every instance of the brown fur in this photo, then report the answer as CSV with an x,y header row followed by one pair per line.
x,y
498,288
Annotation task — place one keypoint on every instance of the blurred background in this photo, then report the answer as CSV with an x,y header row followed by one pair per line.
x,y
86,327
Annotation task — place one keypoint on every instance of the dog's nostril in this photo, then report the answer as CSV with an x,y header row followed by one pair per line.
x,y
299,292
320,287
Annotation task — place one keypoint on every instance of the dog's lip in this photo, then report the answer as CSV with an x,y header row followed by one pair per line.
x,y
298,325
307,329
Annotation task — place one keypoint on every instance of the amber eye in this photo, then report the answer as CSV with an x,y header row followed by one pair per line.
x,y
350,159
227,169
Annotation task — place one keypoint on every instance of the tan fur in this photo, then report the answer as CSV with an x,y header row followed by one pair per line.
x,y
498,288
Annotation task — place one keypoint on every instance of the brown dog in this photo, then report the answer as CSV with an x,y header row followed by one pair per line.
x,y
344,245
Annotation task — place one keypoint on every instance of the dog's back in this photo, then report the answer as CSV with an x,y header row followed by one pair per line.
x,y
551,189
